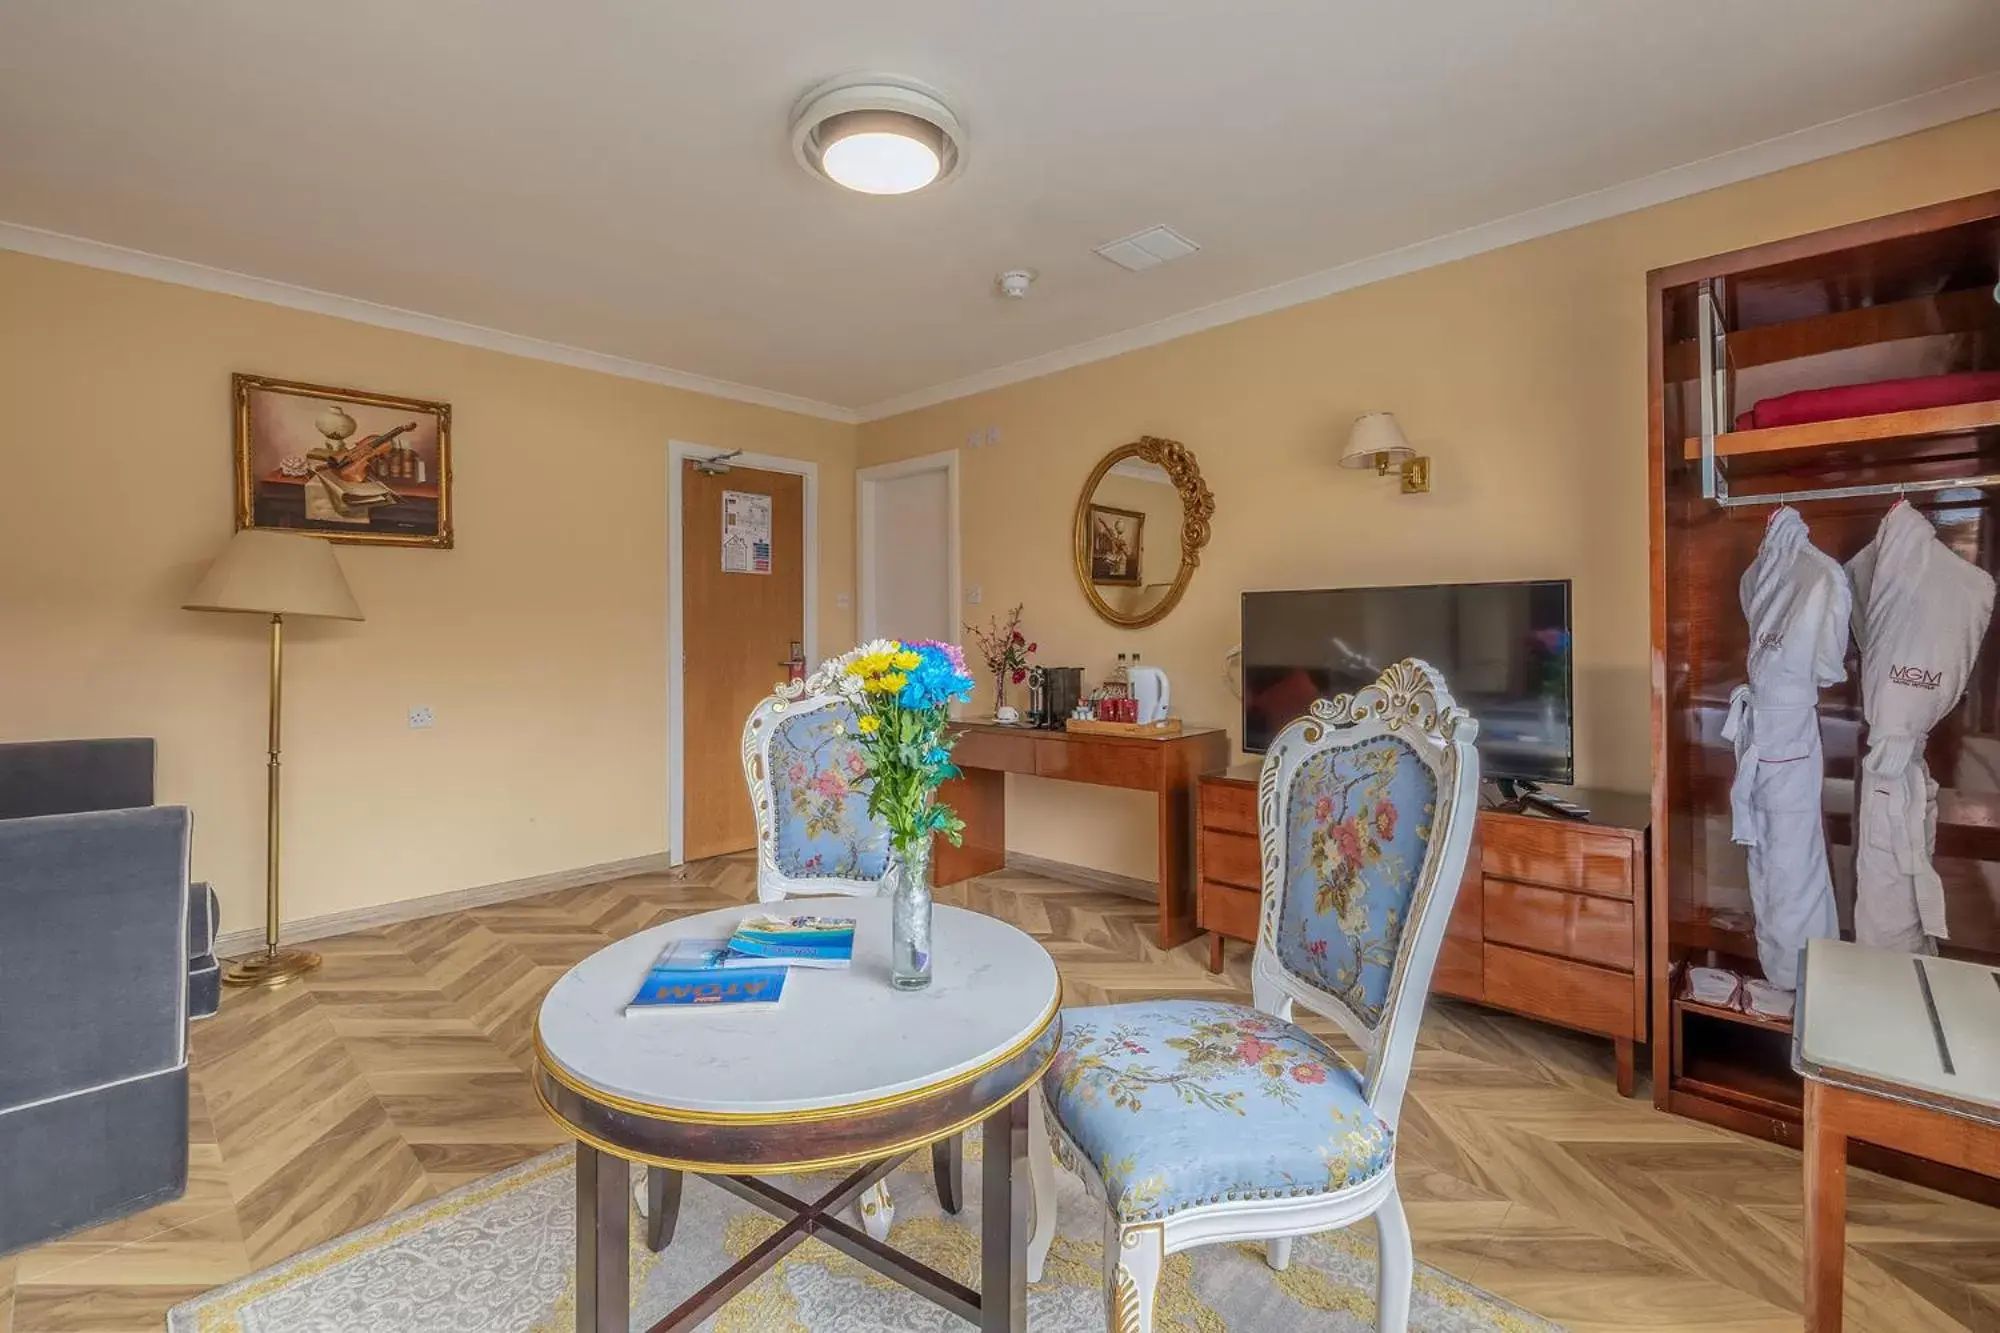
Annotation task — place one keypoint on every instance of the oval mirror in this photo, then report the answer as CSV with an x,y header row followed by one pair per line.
x,y
1140,525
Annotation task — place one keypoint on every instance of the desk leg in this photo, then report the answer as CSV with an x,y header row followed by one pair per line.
x,y
1826,1212
979,796
1003,1223
1176,863
603,1237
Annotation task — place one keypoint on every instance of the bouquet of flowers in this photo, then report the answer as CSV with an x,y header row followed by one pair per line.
x,y
1004,649
901,694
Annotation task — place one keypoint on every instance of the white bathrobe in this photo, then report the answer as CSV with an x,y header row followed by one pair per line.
x,y
1797,600
1920,615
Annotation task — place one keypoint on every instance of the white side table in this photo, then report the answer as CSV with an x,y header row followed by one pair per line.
x,y
1897,1050
845,1073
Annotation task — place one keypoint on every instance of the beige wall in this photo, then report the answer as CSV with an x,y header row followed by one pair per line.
x,y
1522,372
540,641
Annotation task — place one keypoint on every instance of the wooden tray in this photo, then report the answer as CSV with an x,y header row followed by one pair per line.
x,y
1149,730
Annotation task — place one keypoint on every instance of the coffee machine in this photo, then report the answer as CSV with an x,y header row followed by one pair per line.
x,y
1053,694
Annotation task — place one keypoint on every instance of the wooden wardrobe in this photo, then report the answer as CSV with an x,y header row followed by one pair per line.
x,y
1902,296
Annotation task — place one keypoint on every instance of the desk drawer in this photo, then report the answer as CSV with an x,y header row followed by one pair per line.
x,y
1571,925
1228,910
1231,858
984,749
1575,995
1098,763
1559,854
1230,806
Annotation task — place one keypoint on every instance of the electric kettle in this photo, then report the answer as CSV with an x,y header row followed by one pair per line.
x,y
1149,688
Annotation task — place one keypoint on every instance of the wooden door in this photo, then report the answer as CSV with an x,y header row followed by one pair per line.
x,y
737,631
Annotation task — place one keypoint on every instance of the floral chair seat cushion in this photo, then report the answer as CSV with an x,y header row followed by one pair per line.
x,y
820,809
1179,1103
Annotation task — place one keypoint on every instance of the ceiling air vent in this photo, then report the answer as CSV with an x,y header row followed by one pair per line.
x,y
1143,249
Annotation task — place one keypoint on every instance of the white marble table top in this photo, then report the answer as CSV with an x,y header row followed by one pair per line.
x,y
1862,1012
838,1037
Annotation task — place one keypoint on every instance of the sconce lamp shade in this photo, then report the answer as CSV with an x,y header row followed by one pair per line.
x,y
1376,441
276,574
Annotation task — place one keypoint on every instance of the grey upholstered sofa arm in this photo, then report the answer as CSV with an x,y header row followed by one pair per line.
x,y
93,949
93,1018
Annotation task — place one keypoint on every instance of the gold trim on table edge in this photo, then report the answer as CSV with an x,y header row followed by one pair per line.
x,y
911,1144
686,1116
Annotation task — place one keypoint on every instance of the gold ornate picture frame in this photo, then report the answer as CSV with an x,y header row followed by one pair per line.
x,y
343,464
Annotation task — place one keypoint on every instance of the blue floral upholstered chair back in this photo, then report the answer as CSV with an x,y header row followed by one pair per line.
x,y
804,770
1365,809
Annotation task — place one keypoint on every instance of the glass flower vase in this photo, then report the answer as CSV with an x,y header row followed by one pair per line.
x,y
910,917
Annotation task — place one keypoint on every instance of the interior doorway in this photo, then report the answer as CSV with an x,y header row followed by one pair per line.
x,y
742,577
908,542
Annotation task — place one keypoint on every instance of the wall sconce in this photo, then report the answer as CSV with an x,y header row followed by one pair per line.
x,y
1377,441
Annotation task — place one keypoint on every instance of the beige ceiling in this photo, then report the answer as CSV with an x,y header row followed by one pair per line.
x,y
615,176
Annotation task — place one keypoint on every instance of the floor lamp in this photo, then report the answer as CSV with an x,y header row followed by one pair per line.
x,y
275,574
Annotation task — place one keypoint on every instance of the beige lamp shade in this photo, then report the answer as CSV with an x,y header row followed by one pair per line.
x,y
276,574
1374,441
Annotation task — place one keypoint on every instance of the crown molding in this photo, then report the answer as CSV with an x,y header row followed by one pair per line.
x,y
185,273
1925,111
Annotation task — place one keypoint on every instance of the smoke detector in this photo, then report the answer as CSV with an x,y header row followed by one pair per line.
x,y
1014,283
877,134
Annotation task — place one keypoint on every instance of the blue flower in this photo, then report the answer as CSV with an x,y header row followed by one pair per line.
x,y
935,681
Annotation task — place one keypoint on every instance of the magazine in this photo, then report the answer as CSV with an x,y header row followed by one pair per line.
x,y
670,986
798,941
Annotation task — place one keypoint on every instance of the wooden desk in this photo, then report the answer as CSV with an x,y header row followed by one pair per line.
x,y
1898,1051
987,752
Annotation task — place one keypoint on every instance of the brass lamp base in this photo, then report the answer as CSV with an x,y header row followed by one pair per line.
x,y
271,968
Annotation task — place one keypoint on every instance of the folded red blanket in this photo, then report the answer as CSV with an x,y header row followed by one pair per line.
x,y
1867,400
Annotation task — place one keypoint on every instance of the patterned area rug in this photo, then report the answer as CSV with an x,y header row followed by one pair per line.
x,y
497,1257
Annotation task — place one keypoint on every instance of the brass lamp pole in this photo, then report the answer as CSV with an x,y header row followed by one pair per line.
x,y
277,574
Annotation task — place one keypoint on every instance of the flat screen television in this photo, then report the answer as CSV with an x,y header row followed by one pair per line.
x,y
1504,648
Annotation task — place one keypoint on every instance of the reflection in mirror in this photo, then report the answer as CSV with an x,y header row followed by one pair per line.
x,y
1135,536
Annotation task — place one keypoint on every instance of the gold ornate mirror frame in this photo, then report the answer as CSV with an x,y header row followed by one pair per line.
x,y
1197,508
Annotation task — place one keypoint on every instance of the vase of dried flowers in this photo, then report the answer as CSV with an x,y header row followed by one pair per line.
x,y
1005,650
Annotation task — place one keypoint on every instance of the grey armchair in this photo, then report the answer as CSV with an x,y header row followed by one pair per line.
x,y
97,925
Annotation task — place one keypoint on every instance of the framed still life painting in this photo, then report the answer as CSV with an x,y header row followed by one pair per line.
x,y
1115,539
352,466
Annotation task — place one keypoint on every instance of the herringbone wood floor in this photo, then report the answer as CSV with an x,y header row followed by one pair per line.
x,y
400,1071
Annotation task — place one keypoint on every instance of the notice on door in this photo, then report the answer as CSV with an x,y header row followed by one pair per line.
x,y
746,533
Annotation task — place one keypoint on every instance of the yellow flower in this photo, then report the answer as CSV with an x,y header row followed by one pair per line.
x,y
868,723
888,683
907,661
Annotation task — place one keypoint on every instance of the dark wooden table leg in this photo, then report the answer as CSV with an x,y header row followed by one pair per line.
x,y
1826,1211
663,1206
1628,1073
1214,951
948,1167
1003,1223
603,1238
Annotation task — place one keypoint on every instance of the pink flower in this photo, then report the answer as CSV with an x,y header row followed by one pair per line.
x,y
1347,840
1034,647
1308,1073
1323,809
856,765
1385,821
830,785
1317,949
1251,1051
797,772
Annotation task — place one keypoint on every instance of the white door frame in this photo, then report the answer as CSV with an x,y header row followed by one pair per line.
x,y
865,481
678,453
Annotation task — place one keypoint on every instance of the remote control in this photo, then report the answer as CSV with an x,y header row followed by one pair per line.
x,y
1555,805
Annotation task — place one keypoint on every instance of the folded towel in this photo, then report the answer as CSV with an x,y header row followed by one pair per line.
x,y
1716,987
1867,400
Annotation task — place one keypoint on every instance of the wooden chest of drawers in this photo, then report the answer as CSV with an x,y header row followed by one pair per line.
x,y
1550,919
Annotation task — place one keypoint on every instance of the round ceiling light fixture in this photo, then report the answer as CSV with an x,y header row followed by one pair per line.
x,y
877,134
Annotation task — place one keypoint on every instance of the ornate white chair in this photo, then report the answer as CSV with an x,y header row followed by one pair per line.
x,y
814,834
1199,1122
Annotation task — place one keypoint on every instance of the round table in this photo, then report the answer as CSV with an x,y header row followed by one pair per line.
x,y
844,1073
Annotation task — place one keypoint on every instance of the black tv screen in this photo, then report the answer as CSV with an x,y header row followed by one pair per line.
x,y
1503,648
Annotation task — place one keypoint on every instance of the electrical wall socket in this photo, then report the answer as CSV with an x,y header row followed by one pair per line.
x,y
420,716
843,600
975,595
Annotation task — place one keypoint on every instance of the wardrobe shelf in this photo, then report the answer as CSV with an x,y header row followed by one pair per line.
x,y
1921,423
1695,1007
